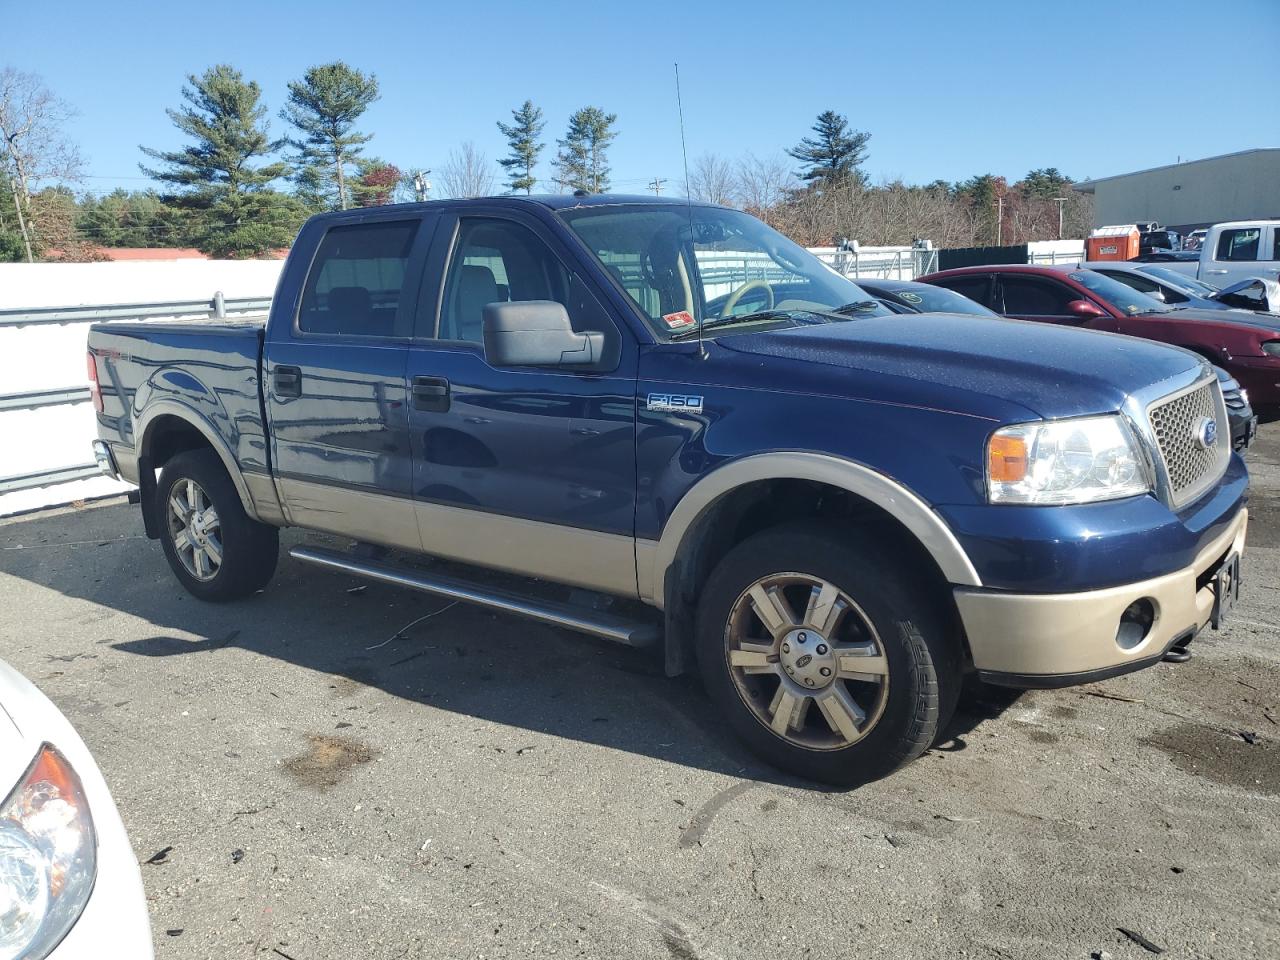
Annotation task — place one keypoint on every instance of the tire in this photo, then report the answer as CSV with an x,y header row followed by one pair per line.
x,y
239,553
858,611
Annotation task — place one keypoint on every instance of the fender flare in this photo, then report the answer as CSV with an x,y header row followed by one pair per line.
x,y
655,558
173,408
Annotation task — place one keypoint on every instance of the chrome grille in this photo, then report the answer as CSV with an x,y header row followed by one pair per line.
x,y
1189,465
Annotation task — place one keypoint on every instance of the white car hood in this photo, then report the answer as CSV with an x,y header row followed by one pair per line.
x,y
16,749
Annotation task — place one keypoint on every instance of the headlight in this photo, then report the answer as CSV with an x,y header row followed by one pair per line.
x,y
48,858
1271,348
1065,461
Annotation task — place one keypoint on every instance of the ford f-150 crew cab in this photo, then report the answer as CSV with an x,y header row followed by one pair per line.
x,y
835,511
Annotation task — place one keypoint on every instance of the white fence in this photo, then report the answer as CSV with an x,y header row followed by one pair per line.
x,y
879,263
1051,252
46,419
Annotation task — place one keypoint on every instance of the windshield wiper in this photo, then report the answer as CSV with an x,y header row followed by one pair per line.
x,y
856,306
715,322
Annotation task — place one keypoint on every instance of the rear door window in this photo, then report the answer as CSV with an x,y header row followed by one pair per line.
x,y
356,284
1035,296
976,288
1240,244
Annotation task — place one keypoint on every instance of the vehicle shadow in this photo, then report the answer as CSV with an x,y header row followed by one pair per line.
x,y
456,657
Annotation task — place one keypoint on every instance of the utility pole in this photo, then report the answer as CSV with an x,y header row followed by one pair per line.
x,y
1059,201
421,185
656,185
999,221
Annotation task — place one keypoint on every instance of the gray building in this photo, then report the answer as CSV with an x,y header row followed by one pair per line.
x,y
1234,186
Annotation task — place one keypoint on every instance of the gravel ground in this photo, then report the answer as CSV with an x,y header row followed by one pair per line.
x,y
482,787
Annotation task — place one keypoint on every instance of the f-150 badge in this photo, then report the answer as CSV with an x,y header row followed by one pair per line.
x,y
672,403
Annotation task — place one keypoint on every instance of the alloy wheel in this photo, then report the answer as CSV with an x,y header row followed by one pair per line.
x,y
807,661
195,529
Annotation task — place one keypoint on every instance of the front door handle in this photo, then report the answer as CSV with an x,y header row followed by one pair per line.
x,y
431,393
287,381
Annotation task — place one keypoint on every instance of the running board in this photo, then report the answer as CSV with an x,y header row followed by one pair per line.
x,y
632,633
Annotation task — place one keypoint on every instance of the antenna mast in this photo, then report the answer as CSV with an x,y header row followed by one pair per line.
x,y
688,196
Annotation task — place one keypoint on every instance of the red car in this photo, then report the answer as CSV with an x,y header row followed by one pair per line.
x,y
1246,343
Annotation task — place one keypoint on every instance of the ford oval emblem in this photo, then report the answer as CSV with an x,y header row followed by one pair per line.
x,y
1206,432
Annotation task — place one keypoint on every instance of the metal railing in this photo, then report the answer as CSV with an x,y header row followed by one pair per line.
x,y
217,306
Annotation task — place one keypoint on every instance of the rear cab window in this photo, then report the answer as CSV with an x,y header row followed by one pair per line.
x,y
356,283
1240,244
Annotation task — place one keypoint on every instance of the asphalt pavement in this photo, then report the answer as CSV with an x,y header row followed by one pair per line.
x,y
331,782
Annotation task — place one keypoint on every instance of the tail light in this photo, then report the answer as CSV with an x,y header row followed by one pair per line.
x,y
95,391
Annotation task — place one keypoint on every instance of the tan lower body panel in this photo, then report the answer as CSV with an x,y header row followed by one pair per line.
x,y
549,551
1070,633
353,513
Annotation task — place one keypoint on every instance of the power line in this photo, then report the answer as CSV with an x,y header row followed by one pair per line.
x,y
656,185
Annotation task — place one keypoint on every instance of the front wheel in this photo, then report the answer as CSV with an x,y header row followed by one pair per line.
x,y
214,548
829,657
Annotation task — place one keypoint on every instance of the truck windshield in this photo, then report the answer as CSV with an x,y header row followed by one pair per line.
x,y
721,268
1119,295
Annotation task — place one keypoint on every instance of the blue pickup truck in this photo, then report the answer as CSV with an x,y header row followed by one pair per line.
x,y
708,441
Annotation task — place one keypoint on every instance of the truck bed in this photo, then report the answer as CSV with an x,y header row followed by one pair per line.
x,y
212,367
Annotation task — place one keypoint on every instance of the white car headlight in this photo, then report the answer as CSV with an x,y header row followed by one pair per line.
x,y
1065,461
48,858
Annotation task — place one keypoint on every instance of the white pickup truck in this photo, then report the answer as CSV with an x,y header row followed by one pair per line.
x,y
1236,251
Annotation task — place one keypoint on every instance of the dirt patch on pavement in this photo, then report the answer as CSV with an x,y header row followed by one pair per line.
x,y
1222,756
327,761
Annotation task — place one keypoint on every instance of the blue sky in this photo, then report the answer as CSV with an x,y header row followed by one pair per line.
x,y
947,90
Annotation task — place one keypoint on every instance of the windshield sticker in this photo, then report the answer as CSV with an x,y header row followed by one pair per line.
x,y
678,320
912,297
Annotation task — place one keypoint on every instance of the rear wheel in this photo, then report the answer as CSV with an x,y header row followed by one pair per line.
x,y
829,660
214,548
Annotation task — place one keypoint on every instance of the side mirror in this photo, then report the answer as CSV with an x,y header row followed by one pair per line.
x,y
1157,294
1084,310
536,333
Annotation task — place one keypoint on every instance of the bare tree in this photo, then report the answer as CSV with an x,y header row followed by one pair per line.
x,y
467,173
763,183
35,150
713,180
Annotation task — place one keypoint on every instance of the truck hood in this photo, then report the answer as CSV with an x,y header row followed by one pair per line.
x,y
950,361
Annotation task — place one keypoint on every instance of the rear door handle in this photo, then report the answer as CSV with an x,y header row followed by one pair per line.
x,y
287,381
431,393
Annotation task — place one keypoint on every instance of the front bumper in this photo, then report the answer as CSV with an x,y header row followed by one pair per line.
x,y
1260,376
1061,639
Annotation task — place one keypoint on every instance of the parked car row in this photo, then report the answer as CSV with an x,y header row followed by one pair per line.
x,y
1246,344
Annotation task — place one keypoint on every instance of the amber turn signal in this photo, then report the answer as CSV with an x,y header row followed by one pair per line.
x,y
1007,459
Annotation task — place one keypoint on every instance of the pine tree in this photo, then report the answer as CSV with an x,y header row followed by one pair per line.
x,y
324,107
835,156
1045,183
582,160
234,210
522,136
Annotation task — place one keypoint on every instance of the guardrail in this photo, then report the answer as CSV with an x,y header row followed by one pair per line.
x,y
218,306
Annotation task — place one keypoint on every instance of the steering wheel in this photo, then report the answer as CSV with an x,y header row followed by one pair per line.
x,y
732,300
